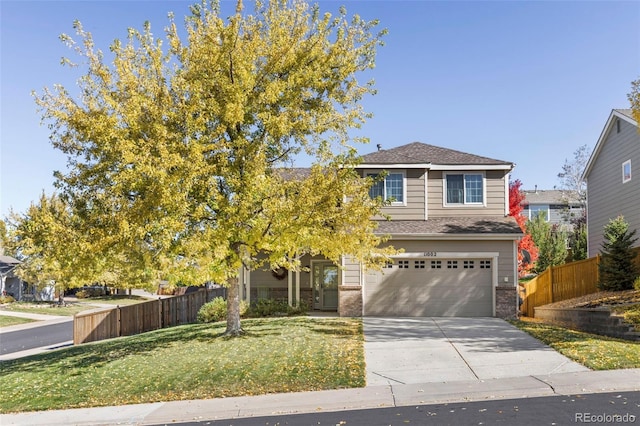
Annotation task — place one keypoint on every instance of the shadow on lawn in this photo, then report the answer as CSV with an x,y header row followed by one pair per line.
x,y
99,353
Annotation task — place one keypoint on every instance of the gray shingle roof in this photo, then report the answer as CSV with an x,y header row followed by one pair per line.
x,y
548,196
421,153
451,226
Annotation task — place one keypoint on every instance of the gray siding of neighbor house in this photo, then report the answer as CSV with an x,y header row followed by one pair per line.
x,y
607,196
495,196
558,213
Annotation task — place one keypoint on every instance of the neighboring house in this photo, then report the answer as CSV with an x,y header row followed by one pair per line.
x,y
613,178
10,284
449,214
556,205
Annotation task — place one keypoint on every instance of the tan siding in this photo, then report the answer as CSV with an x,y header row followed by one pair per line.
x,y
351,272
495,196
607,196
504,248
414,208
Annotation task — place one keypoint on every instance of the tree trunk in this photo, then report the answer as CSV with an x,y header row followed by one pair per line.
x,y
233,308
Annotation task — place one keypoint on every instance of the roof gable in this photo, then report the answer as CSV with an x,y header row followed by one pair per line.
x,y
623,114
418,153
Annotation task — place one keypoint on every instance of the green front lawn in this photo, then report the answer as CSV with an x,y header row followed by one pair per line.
x,y
591,350
190,362
6,321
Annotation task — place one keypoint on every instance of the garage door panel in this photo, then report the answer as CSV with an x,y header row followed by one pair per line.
x,y
430,292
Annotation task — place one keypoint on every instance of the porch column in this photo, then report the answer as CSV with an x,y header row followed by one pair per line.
x,y
297,289
247,283
290,288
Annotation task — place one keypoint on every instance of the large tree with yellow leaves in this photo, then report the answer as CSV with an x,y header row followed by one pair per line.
x,y
178,151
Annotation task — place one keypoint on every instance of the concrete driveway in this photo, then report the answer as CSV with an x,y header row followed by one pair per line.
x,y
426,350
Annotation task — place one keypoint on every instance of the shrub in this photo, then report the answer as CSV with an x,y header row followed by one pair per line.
x,y
636,283
216,310
90,291
6,299
273,307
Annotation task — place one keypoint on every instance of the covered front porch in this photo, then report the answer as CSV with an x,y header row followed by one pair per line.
x,y
316,287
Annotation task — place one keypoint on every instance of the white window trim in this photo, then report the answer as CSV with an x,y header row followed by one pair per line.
x,y
404,185
626,178
464,204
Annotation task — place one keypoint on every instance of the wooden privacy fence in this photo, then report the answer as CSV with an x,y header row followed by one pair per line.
x,y
563,282
141,317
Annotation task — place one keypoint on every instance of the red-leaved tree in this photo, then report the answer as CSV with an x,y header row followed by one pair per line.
x,y
516,200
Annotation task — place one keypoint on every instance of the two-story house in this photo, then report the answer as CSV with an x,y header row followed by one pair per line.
x,y
613,177
449,215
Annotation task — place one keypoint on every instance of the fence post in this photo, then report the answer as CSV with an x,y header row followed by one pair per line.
x,y
550,284
119,327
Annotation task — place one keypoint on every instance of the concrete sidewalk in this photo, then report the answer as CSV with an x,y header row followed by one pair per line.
x,y
337,400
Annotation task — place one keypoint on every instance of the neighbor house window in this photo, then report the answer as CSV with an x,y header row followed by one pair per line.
x,y
534,211
390,188
464,188
626,171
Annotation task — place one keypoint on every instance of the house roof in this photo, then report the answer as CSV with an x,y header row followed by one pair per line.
x,y
451,226
293,173
7,263
623,114
548,196
418,153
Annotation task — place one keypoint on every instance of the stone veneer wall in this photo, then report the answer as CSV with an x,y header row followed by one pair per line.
x,y
506,302
595,320
350,300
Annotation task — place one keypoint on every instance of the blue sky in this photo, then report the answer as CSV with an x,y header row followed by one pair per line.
x,y
521,81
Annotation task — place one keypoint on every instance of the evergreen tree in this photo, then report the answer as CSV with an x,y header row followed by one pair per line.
x,y
550,240
578,238
617,270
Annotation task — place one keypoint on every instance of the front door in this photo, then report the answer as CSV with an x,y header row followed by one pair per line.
x,y
325,286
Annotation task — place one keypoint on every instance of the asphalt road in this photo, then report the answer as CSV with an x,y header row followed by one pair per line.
x,y
46,335
598,408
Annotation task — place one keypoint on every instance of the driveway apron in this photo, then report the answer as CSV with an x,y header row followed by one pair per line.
x,y
444,349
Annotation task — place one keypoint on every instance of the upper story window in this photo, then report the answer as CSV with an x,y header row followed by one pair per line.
x,y
467,188
391,188
626,171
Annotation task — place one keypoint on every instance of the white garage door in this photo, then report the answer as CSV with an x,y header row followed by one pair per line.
x,y
428,287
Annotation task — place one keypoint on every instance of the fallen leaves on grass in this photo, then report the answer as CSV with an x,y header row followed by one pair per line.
x,y
190,362
591,350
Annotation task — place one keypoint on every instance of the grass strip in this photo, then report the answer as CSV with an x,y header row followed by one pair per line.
x,y
190,362
591,350
6,321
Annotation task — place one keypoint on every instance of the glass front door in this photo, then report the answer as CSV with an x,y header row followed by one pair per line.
x,y
325,286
